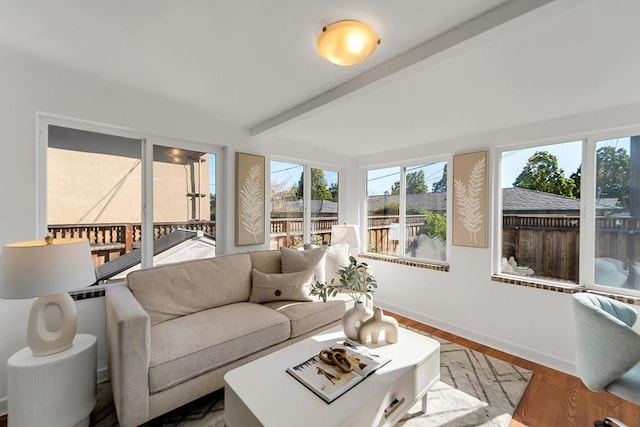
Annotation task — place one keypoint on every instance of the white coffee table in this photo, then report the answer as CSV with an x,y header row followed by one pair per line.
x,y
261,393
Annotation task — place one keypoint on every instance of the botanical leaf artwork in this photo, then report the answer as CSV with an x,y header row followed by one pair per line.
x,y
468,200
251,202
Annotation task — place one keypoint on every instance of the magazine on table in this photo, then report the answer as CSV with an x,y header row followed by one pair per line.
x,y
321,374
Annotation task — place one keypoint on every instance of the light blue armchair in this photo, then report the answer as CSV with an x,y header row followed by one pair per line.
x,y
607,347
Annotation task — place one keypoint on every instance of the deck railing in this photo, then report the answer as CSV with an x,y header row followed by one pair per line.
x,y
110,240
549,245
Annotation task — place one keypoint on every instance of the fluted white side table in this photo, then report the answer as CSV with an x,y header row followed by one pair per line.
x,y
54,390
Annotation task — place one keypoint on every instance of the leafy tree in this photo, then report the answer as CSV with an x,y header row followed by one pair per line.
x,y
280,193
333,189
542,173
612,174
577,179
441,186
416,184
393,208
435,225
319,186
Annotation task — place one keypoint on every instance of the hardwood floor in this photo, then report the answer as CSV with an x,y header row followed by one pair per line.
x,y
552,398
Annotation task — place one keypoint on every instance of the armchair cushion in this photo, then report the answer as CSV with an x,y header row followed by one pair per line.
x,y
627,386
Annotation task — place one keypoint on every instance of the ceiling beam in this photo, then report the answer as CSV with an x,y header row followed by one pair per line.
x,y
456,36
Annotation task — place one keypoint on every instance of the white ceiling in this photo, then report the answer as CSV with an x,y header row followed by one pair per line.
x,y
249,61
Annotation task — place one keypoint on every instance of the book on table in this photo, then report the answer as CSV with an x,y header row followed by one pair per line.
x,y
327,380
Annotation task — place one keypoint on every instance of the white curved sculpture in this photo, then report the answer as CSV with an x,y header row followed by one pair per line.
x,y
374,326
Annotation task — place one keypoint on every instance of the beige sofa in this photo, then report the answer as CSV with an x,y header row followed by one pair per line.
x,y
174,331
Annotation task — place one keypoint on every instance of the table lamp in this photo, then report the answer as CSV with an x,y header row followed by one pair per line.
x,y
346,233
47,269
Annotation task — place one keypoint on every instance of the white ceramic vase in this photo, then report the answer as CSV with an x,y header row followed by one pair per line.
x,y
353,318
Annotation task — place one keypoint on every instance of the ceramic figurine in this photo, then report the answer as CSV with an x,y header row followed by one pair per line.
x,y
374,326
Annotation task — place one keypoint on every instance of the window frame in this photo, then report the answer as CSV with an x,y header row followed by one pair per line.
x,y
147,143
306,199
587,236
402,202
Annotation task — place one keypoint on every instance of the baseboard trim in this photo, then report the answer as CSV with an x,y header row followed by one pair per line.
x,y
4,406
522,352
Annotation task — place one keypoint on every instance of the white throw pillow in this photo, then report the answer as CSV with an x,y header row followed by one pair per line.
x,y
337,258
280,287
294,261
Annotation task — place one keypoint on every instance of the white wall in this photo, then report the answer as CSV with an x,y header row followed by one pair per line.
x,y
532,323
28,87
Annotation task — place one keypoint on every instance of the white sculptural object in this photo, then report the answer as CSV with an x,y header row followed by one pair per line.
x,y
372,328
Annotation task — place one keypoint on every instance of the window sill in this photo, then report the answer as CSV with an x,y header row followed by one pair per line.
x,y
96,291
401,261
559,287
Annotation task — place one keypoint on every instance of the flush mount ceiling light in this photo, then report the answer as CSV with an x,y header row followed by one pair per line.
x,y
347,42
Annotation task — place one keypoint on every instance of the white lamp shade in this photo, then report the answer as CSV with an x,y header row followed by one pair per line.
x,y
345,233
35,268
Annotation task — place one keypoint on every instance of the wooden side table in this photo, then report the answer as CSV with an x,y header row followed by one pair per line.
x,y
54,390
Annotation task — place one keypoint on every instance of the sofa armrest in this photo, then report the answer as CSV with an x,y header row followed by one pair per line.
x,y
128,346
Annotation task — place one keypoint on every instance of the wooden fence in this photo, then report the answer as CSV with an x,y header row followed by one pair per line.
x,y
550,246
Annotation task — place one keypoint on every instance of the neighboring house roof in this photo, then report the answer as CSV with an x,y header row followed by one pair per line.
x,y
317,206
177,246
517,199
427,201
514,200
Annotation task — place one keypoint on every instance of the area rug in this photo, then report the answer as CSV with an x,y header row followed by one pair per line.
x,y
474,390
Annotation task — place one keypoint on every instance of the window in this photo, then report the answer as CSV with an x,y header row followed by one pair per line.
x,y
407,211
298,215
617,213
541,211
554,207
95,189
324,204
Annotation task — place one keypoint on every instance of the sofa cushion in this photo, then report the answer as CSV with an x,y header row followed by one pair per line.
x,y
173,290
281,287
266,261
185,347
294,260
337,258
307,316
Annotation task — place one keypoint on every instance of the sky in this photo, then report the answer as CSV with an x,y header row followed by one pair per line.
x,y
212,173
569,157
289,173
381,180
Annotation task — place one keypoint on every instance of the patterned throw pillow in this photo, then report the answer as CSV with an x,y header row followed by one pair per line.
x,y
294,261
281,287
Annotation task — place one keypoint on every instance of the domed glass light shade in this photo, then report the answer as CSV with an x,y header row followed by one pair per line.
x,y
347,42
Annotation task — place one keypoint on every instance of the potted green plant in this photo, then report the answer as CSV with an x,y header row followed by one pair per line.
x,y
357,281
